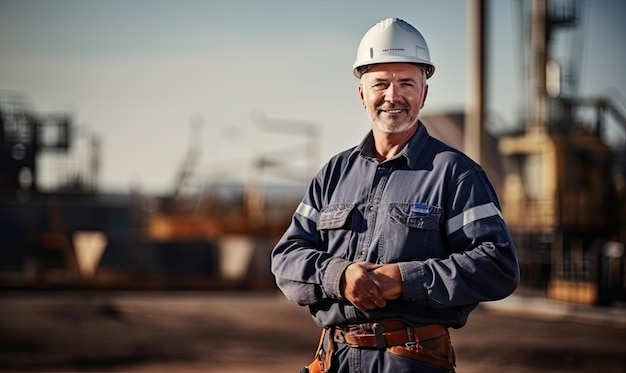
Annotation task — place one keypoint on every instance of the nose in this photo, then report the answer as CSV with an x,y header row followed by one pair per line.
x,y
391,93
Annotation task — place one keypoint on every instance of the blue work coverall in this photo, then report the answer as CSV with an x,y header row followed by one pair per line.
x,y
430,209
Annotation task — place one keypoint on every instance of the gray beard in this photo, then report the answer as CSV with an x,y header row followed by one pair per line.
x,y
394,128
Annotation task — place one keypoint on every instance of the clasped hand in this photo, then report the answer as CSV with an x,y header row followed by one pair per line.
x,y
369,286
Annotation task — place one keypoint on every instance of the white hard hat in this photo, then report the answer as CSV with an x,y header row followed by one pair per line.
x,y
392,40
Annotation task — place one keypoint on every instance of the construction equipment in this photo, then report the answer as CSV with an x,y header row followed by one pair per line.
x,y
563,193
69,234
241,219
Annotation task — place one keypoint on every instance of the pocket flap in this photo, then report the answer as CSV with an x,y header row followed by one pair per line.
x,y
334,216
415,215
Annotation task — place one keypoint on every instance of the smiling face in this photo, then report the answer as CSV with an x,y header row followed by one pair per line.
x,y
393,95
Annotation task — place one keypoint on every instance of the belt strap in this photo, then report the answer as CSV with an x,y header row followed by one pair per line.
x,y
385,334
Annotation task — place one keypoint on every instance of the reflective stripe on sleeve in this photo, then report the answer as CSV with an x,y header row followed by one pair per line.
x,y
475,213
307,211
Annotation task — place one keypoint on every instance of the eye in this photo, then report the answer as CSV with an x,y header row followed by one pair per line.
x,y
380,86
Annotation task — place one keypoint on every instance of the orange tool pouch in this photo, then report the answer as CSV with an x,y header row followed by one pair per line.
x,y
324,353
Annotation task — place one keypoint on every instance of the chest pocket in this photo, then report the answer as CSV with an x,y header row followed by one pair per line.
x,y
410,232
415,215
334,225
334,216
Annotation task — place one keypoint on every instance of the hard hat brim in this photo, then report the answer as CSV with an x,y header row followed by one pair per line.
x,y
359,69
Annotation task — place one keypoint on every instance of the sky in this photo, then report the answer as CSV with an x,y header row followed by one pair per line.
x,y
138,73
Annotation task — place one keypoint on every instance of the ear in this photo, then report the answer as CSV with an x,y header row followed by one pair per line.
x,y
361,95
425,94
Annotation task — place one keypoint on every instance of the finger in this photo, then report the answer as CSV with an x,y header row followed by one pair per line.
x,y
375,293
380,302
375,296
371,300
369,286
365,305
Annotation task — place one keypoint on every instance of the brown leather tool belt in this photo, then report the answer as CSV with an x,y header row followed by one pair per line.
x,y
387,333
427,343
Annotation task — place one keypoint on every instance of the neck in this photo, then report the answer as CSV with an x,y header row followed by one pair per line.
x,y
387,145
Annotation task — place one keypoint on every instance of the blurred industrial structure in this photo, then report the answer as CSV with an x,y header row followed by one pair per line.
x,y
73,235
563,192
561,183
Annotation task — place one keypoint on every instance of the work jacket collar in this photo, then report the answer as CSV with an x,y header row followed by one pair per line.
x,y
410,152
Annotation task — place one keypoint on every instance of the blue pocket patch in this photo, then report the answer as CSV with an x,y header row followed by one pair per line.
x,y
419,209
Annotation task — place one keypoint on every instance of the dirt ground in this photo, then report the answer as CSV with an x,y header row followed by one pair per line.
x,y
213,331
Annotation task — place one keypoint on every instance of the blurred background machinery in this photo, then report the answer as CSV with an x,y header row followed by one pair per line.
x,y
561,179
203,234
563,192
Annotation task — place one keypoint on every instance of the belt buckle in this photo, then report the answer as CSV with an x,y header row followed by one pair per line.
x,y
378,330
412,342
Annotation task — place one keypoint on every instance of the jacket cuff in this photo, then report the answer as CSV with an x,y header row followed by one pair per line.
x,y
331,280
416,279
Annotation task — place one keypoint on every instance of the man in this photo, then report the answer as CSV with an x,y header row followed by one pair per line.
x,y
399,238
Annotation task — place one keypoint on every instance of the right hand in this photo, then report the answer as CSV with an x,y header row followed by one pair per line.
x,y
360,287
